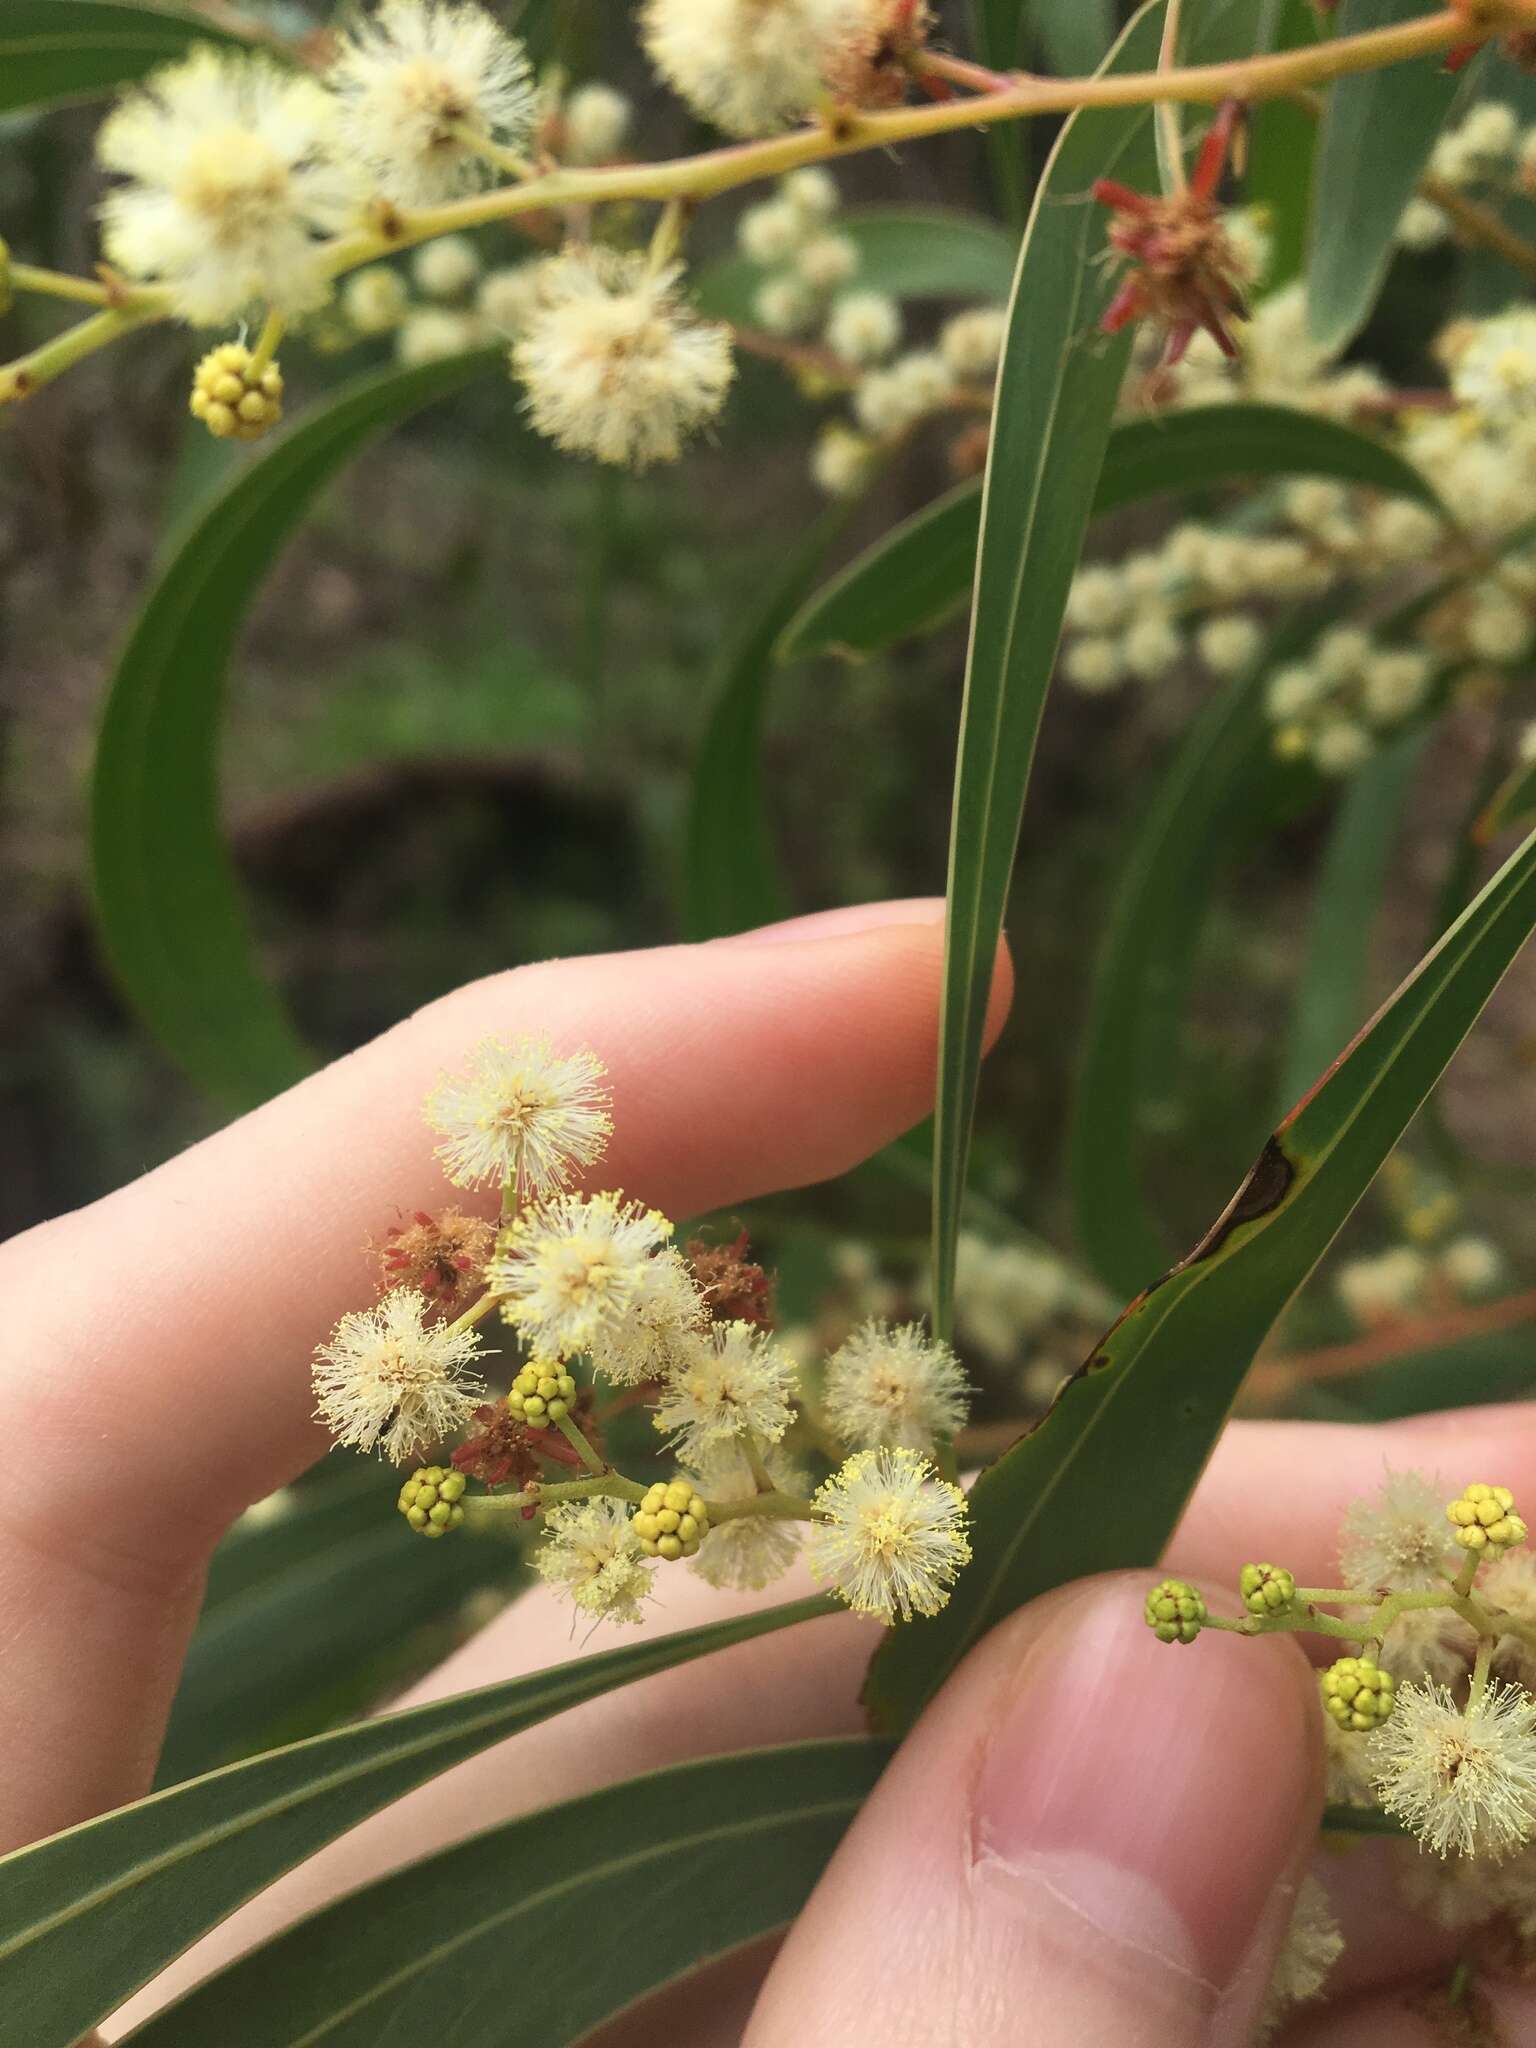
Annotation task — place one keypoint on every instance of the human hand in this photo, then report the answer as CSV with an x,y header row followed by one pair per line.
x,y
1175,1797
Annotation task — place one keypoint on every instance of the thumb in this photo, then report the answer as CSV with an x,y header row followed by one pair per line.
x,y
1090,1836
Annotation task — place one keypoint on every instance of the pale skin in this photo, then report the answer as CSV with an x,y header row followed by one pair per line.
x,y
1088,1828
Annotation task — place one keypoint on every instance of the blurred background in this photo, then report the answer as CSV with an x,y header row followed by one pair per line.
x,y
460,734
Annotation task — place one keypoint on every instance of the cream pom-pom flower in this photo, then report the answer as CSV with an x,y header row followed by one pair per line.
x,y
571,1271
591,1553
1463,1779
664,1317
418,83
614,362
753,66
232,179
1399,1537
894,1386
733,1382
390,1379
890,1535
522,1114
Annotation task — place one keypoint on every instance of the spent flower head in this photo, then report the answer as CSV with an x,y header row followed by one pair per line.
x,y
1463,1779
1399,1538
1311,1945
231,181
615,363
393,1379
732,1381
749,1551
521,1115
572,1270
896,1386
418,85
889,1536
592,1553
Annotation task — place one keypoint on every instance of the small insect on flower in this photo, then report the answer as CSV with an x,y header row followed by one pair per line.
x,y
1185,271
1462,1780
232,180
571,1271
895,1386
731,1382
418,85
890,1535
521,1115
592,1553
391,1379
614,362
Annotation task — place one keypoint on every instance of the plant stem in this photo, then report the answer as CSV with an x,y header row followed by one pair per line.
x,y
475,1313
29,373
848,132
775,1507
1480,1671
57,284
609,1484
761,1477
1169,133
578,1442
1479,224
266,344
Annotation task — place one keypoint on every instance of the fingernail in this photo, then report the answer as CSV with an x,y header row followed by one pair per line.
x,y
843,922
1158,1795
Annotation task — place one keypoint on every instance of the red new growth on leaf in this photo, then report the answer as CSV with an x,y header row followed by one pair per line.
x,y
1184,271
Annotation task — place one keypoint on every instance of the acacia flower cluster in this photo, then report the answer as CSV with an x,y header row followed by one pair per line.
x,y
601,1310
1430,1715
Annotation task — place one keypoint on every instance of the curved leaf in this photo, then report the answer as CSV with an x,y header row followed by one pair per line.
x,y
167,902
477,1931
1282,148
1057,387
89,1916
912,252
1512,803
917,576
730,879
1168,1371
1330,993
265,1663
1378,129
57,50
1223,784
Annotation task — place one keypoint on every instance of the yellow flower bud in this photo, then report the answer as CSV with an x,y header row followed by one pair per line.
x,y
1485,1520
1266,1588
672,1520
1357,1693
429,1500
1175,1612
542,1393
232,398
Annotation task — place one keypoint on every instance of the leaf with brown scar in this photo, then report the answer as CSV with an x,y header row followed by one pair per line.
x,y
1169,1369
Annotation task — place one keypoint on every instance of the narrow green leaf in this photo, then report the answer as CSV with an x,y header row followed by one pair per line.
x,y
1074,34
730,877
1056,392
89,1916
1378,128
642,1881
1512,803
1222,785
912,252
261,1658
52,51
1360,1820
1168,1371
918,575
167,901
1330,994
1282,149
